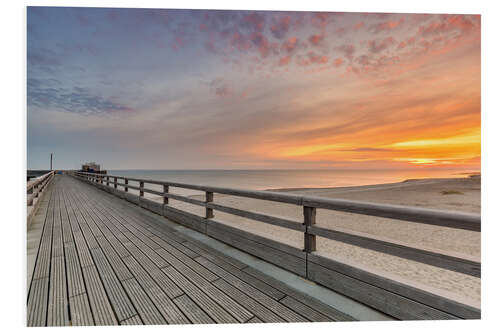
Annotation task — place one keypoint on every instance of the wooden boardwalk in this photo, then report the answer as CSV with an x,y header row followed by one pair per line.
x,y
101,262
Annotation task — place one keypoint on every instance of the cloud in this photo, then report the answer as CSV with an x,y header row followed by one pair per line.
x,y
280,27
387,25
284,60
261,42
348,50
290,44
338,62
316,40
367,149
220,87
78,100
379,45
449,23
255,21
317,58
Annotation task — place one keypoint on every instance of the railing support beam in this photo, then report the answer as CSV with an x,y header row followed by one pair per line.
x,y
165,191
309,220
209,212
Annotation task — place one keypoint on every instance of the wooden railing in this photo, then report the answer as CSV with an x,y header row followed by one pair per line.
x,y
35,187
34,190
306,262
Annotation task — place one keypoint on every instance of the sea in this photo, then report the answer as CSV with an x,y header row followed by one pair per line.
x,y
280,179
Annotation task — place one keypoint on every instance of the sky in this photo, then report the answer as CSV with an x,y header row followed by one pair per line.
x,y
201,89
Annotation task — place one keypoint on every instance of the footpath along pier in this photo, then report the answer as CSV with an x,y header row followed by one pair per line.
x,y
101,255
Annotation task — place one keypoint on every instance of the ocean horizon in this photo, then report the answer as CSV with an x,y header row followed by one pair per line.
x,y
267,179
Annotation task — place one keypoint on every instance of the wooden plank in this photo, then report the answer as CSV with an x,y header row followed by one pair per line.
x,y
165,283
271,254
135,320
269,219
76,285
117,296
214,310
57,312
225,228
177,259
317,305
80,311
195,314
163,303
187,219
210,252
254,293
379,244
37,302
227,303
260,285
254,320
457,220
99,302
248,302
145,307
304,310
322,267
380,299
57,240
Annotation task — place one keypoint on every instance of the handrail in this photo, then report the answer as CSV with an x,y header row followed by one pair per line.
x,y
451,219
34,188
38,180
456,220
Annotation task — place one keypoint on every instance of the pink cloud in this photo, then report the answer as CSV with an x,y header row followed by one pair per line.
x,y
448,23
240,42
348,50
261,42
317,59
338,62
290,44
378,45
320,20
280,27
387,26
316,39
359,25
285,60
254,21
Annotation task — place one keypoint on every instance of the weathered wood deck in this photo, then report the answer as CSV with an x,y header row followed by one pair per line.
x,y
100,262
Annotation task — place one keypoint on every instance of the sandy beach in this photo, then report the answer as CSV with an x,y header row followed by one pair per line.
x,y
455,194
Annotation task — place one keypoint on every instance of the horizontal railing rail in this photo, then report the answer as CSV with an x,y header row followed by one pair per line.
x,y
442,259
36,186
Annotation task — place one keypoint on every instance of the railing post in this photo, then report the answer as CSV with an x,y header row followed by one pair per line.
x,y
115,183
101,178
309,220
126,183
141,186
165,191
209,212
107,180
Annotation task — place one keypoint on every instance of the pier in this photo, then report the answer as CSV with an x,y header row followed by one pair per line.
x,y
105,256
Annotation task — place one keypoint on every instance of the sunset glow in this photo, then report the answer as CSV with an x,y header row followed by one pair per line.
x,y
243,89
